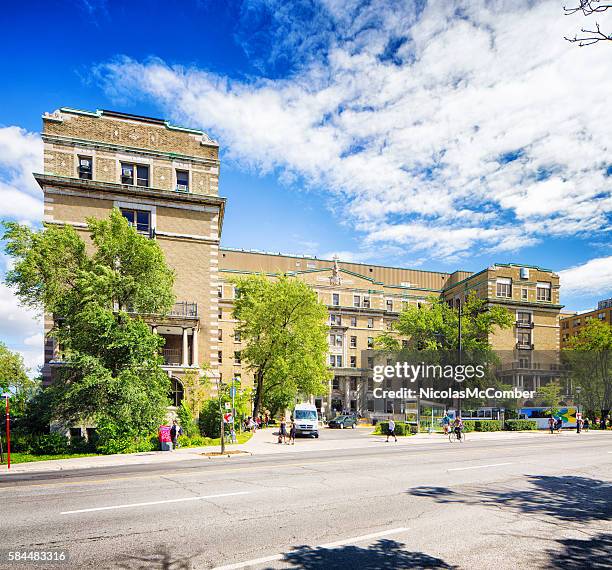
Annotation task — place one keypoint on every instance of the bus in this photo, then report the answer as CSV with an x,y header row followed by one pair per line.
x,y
541,415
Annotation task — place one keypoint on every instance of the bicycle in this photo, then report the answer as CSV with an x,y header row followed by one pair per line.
x,y
452,436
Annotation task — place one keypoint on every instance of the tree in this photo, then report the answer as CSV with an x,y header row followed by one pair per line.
x,y
196,389
285,331
434,326
549,395
14,378
587,36
111,374
589,359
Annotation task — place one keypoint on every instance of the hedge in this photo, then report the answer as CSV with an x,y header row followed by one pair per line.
x,y
520,425
401,428
488,425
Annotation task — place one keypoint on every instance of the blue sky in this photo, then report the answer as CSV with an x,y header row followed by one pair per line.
x,y
438,136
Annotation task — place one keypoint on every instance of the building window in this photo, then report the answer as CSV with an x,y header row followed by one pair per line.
x,y
353,342
220,315
236,336
353,362
237,359
523,317
335,320
370,323
504,287
356,301
176,393
524,294
370,362
404,343
220,356
141,172
524,339
335,361
389,304
366,302
339,361
353,321
220,291
370,384
370,342
601,316
182,181
85,167
336,383
335,299
220,334
543,292
139,219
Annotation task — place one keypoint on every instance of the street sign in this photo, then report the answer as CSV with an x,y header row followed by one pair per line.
x,y
232,392
227,418
228,406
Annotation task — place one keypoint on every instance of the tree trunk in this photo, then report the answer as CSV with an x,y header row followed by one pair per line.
x,y
258,393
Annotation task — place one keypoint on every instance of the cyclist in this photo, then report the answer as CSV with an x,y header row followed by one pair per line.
x,y
446,423
457,427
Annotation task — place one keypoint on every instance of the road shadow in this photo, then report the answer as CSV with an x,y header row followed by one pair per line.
x,y
576,554
162,559
567,498
383,555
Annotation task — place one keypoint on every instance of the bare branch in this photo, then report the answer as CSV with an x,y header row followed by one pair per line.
x,y
589,37
588,7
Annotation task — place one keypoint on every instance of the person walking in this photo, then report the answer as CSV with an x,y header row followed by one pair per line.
x,y
282,431
292,432
587,424
551,424
446,420
391,430
175,432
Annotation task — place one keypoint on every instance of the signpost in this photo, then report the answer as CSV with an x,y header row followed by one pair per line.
x,y
7,395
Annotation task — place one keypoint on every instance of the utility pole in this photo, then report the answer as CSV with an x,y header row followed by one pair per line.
x,y
460,345
219,397
8,429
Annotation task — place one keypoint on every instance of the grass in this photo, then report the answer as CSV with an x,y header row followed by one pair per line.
x,y
28,457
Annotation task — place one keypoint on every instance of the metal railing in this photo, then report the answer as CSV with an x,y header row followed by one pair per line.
x,y
172,356
184,309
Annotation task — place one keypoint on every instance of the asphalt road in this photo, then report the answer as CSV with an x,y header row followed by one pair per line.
x,y
533,502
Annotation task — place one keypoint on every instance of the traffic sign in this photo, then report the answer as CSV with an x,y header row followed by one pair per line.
x,y
232,392
227,418
228,406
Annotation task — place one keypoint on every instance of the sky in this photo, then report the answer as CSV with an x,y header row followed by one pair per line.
x,y
433,135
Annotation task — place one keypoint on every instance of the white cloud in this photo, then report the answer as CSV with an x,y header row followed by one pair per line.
x,y
593,277
482,129
20,155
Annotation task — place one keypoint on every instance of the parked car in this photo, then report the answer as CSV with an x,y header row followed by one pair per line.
x,y
343,422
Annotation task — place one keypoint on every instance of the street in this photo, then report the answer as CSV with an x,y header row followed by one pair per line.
x,y
514,502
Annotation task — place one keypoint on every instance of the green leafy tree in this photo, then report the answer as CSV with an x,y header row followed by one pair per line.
x,y
284,328
14,378
112,371
589,359
549,396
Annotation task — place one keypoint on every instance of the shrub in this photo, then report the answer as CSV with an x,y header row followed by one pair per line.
x,y
488,425
210,419
50,444
401,428
78,444
469,425
520,425
186,420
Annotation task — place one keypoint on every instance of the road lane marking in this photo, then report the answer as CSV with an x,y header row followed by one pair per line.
x,y
478,466
149,503
343,542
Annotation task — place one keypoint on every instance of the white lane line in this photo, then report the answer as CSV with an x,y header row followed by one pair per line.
x,y
149,503
335,544
478,466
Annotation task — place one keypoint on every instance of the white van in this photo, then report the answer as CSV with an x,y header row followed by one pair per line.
x,y
306,419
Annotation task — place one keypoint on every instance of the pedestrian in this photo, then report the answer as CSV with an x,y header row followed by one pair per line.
x,y
391,430
282,431
578,425
292,433
266,419
559,425
551,424
446,420
602,423
175,432
233,435
587,424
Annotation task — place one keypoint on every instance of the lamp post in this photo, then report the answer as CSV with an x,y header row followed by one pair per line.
x,y
578,414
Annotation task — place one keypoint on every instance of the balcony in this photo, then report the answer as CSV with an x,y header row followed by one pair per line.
x,y
524,346
184,309
172,356
524,324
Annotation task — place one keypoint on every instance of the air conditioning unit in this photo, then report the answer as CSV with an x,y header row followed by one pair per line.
x,y
182,188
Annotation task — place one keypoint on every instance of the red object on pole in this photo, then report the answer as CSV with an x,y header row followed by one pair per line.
x,y
8,432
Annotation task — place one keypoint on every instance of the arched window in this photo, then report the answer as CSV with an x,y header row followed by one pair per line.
x,y
176,392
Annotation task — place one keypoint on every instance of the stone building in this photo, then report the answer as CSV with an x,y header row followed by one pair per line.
x,y
165,181
573,323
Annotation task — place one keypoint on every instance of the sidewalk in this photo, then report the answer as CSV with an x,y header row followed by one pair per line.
x,y
264,442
